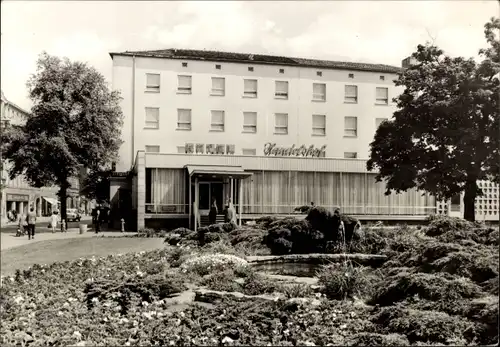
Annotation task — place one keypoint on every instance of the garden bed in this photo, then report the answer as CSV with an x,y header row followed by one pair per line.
x,y
438,286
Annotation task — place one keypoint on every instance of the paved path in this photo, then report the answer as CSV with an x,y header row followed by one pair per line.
x,y
9,240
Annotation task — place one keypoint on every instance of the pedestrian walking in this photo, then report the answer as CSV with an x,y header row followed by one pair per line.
x,y
97,225
53,221
212,215
31,221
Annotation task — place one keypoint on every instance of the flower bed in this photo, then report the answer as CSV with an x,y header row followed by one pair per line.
x,y
435,289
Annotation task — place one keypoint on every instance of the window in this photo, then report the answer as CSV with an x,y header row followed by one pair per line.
x,y
218,86
319,91
184,64
351,94
249,122
382,78
152,118
350,126
152,82
319,124
281,91
250,68
350,155
217,66
319,73
217,122
382,96
248,151
183,119
250,88
181,149
152,149
184,86
351,75
282,70
379,121
281,123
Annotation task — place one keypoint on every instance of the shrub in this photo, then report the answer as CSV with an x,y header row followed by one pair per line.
x,y
436,287
205,264
374,339
341,281
440,224
296,290
256,284
173,239
182,231
425,325
265,222
223,281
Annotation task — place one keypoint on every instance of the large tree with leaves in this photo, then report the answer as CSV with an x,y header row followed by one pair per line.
x,y
75,122
444,137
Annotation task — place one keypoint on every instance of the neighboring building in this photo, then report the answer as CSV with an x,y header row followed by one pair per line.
x,y
16,194
200,125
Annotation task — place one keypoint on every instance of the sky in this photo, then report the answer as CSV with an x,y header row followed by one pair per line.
x,y
382,32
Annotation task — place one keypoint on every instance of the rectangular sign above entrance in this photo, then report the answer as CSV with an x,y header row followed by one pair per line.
x,y
17,197
271,149
201,148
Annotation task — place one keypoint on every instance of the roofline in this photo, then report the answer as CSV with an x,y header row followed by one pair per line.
x,y
10,103
350,68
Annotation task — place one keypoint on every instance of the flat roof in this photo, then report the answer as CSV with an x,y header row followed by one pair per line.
x,y
249,58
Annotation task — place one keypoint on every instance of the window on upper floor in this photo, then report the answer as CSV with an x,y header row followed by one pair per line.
x,y
249,122
218,86
248,151
218,67
281,90
382,78
281,123
153,82
282,70
184,64
181,149
350,155
319,73
319,124
250,88
183,119
351,94
152,118
382,96
217,120
250,68
350,126
184,84
351,75
379,121
152,149
319,92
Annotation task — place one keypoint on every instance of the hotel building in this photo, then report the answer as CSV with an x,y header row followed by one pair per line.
x,y
270,133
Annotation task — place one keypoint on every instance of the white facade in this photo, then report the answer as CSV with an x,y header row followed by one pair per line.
x,y
305,96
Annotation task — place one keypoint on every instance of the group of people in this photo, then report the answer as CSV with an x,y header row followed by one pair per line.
x,y
100,215
229,212
27,223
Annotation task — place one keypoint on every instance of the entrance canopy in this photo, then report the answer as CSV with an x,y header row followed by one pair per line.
x,y
217,171
51,201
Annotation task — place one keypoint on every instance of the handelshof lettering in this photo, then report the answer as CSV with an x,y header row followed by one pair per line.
x,y
271,149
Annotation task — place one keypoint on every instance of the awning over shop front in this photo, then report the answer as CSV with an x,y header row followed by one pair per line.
x,y
217,170
51,201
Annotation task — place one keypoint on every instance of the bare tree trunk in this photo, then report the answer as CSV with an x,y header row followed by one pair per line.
x,y
470,200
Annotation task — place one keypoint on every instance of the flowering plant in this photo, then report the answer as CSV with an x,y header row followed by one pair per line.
x,y
205,264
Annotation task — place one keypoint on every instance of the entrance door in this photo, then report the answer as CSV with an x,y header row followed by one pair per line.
x,y
216,192
209,191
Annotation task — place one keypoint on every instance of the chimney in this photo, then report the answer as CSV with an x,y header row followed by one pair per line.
x,y
408,62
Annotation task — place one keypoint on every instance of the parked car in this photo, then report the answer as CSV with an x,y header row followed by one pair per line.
x,y
73,215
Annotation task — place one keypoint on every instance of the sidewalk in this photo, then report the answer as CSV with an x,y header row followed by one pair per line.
x,y
9,240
